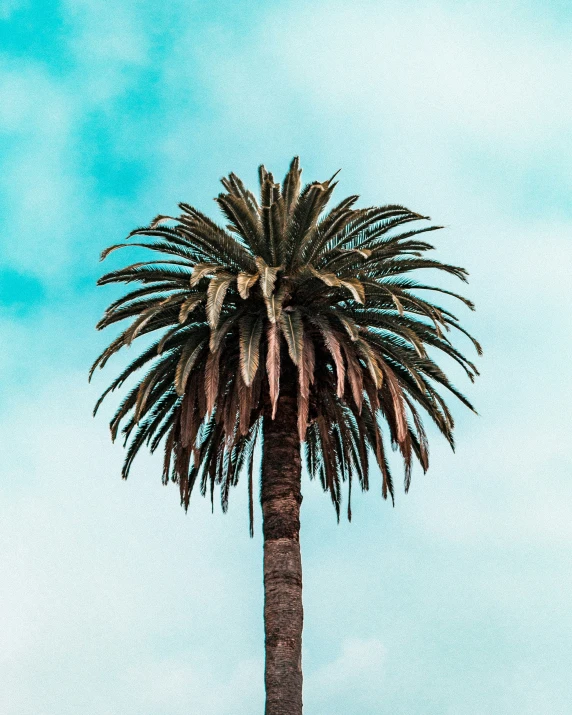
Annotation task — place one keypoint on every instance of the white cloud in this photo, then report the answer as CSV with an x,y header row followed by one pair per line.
x,y
9,7
109,46
110,583
49,199
179,687
427,65
40,183
357,675
118,37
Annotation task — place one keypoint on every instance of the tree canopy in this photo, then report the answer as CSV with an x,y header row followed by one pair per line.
x,y
291,294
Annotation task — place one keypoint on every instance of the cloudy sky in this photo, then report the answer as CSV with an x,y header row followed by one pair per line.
x,y
456,601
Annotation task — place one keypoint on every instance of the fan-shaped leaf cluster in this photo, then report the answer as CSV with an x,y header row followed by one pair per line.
x,y
289,289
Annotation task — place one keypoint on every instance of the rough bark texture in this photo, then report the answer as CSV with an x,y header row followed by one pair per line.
x,y
281,499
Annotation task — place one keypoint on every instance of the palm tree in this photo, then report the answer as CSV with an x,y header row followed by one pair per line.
x,y
292,327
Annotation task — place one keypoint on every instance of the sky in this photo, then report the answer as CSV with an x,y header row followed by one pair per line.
x,y
454,602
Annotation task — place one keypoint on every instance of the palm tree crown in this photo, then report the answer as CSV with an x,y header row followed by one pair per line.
x,y
292,297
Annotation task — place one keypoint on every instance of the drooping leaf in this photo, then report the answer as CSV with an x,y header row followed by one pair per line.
x,y
350,326
245,282
250,332
211,380
305,379
215,296
354,374
167,335
363,252
355,287
267,275
161,219
189,305
332,342
368,354
273,364
293,331
221,332
398,404
275,303
146,316
330,279
186,363
203,269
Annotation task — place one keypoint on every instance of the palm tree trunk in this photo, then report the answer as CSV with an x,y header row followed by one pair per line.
x,y
283,616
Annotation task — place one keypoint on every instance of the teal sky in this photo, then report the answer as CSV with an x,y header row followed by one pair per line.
x,y
456,601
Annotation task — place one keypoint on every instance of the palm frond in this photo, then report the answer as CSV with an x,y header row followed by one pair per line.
x,y
292,298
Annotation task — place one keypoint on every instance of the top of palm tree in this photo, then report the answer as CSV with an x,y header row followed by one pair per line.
x,y
288,296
